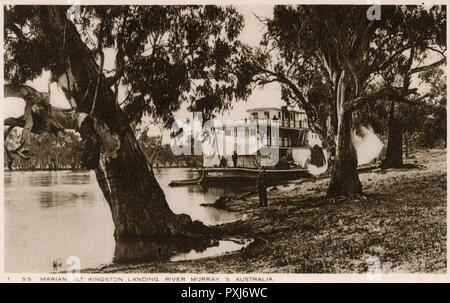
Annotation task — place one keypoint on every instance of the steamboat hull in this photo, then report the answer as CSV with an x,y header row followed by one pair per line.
x,y
222,176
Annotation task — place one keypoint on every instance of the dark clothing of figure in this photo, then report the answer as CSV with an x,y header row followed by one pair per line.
x,y
261,185
262,197
223,162
235,158
317,156
282,164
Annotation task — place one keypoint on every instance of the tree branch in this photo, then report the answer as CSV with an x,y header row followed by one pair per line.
x,y
311,113
110,81
427,67
17,31
25,92
442,52
13,122
386,93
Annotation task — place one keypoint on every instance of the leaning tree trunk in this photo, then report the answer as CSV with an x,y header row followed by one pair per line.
x,y
394,150
344,177
137,202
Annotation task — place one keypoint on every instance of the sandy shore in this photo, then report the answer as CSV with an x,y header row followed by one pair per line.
x,y
401,220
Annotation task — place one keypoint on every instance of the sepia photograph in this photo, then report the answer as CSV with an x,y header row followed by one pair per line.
x,y
225,139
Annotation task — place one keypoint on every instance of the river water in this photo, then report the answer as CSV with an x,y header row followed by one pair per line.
x,y
52,215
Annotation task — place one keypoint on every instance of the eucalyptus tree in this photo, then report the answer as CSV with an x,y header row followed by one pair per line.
x,y
328,60
424,32
163,56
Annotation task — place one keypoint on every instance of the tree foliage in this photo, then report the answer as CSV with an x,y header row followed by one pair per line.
x,y
164,55
330,61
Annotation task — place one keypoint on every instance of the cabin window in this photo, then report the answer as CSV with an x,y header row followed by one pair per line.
x,y
267,115
255,115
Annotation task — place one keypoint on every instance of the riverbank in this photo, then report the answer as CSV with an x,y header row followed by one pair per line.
x,y
401,220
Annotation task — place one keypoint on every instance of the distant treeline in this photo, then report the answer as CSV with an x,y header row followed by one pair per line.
x,y
48,151
64,152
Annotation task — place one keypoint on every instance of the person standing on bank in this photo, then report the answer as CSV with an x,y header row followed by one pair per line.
x,y
223,162
235,158
261,186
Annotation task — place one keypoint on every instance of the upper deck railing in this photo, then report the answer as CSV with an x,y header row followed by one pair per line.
x,y
270,122
287,123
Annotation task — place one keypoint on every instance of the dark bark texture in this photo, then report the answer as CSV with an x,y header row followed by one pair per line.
x,y
137,202
344,177
394,150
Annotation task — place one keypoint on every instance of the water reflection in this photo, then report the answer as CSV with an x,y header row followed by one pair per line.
x,y
64,199
135,252
139,251
187,199
54,215
216,250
